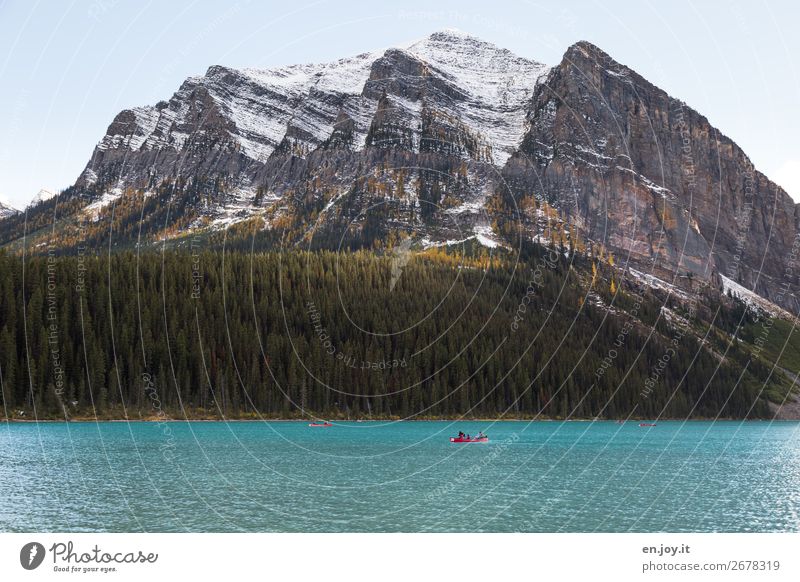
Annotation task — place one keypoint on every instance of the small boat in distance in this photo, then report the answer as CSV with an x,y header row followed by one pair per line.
x,y
465,438
647,424
320,424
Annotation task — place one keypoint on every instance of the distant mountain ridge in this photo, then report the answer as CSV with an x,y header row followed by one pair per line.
x,y
447,139
7,210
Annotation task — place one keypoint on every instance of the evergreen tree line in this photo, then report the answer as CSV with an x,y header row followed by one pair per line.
x,y
321,334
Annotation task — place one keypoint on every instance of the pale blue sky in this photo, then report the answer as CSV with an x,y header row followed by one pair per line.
x,y
67,67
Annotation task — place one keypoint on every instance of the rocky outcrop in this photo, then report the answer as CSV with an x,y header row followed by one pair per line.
x,y
651,178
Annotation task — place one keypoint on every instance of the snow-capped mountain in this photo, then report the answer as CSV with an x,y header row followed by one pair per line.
x,y
42,195
6,209
498,85
419,112
448,138
484,86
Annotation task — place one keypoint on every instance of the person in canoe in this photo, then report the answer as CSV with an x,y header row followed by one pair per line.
x,y
461,434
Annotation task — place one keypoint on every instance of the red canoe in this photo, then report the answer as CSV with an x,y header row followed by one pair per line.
x,y
484,439
322,424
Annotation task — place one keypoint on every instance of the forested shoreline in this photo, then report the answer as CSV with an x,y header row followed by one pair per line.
x,y
205,335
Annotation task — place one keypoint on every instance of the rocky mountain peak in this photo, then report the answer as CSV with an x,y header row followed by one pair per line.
x,y
451,44
429,132
6,209
583,49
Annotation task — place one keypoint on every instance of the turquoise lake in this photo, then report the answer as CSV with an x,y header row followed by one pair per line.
x,y
404,476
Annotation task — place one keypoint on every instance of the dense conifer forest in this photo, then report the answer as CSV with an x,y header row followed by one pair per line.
x,y
356,335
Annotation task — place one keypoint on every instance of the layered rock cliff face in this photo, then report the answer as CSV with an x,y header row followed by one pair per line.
x,y
422,141
652,178
407,138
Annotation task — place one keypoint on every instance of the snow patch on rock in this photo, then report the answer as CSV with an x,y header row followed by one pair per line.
x,y
93,209
655,283
754,301
499,85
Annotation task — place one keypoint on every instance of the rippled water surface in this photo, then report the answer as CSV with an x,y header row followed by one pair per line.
x,y
407,476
